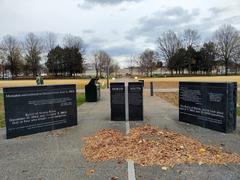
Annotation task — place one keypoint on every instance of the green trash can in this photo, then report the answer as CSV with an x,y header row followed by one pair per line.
x,y
92,91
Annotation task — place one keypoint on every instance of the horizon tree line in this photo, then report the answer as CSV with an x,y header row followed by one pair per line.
x,y
185,52
25,57
179,53
35,54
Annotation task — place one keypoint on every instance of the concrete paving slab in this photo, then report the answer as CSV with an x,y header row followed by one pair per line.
x,y
160,113
44,156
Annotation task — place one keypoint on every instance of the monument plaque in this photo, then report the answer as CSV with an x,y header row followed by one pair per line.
x,y
118,112
209,105
135,101
35,109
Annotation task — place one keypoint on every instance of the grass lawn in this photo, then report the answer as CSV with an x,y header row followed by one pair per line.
x,y
80,101
238,111
80,83
80,98
172,82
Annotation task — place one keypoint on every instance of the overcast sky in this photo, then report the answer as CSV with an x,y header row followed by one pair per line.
x,y
121,27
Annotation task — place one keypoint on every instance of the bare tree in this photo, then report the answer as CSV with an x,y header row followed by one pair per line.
x,y
71,41
50,41
228,41
102,61
33,49
11,55
191,38
2,62
236,59
96,63
168,44
131,63
147,62
115,68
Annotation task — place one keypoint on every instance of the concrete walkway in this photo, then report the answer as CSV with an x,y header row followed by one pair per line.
x,y
45,156
164,115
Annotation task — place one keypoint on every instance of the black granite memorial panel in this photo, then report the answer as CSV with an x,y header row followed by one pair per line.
x,y
209,105
118,102
35,109
135,101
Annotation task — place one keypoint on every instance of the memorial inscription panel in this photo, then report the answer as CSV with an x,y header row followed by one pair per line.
x,y
210,105
118,112
135,101
35,109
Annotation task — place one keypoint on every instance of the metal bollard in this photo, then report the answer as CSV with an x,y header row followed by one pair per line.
x,y
151,88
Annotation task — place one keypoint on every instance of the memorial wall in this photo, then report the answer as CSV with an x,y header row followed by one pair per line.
x,y
135,101
210,105
34,109
118,110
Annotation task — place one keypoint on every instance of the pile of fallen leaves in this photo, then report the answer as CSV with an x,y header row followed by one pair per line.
x,y
147,145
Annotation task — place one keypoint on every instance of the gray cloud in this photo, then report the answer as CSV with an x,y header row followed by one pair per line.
x,y
85,5
172,18
123,9
217,11
216,19
124,50
88,31
109,2
96,43
88,4
177,19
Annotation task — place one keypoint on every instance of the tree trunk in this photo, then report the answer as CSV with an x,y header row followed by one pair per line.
x,y
226,66
96,73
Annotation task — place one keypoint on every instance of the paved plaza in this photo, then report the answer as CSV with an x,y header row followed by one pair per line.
x,y
57,155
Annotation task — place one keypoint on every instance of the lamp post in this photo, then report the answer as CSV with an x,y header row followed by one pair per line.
x,y
108,76
107,72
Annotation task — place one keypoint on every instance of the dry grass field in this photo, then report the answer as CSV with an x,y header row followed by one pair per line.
x,y
168,82
172,82
79,82
171,97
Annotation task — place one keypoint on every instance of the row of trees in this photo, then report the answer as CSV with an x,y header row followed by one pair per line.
x,y
35,54
180,53
25,58
12,50
185,52
104,64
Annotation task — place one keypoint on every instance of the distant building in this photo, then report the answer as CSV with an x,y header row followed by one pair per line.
x,y
89,69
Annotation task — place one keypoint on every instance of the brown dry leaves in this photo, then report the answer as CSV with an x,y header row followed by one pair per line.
x,y
171,97
90,171
147,145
